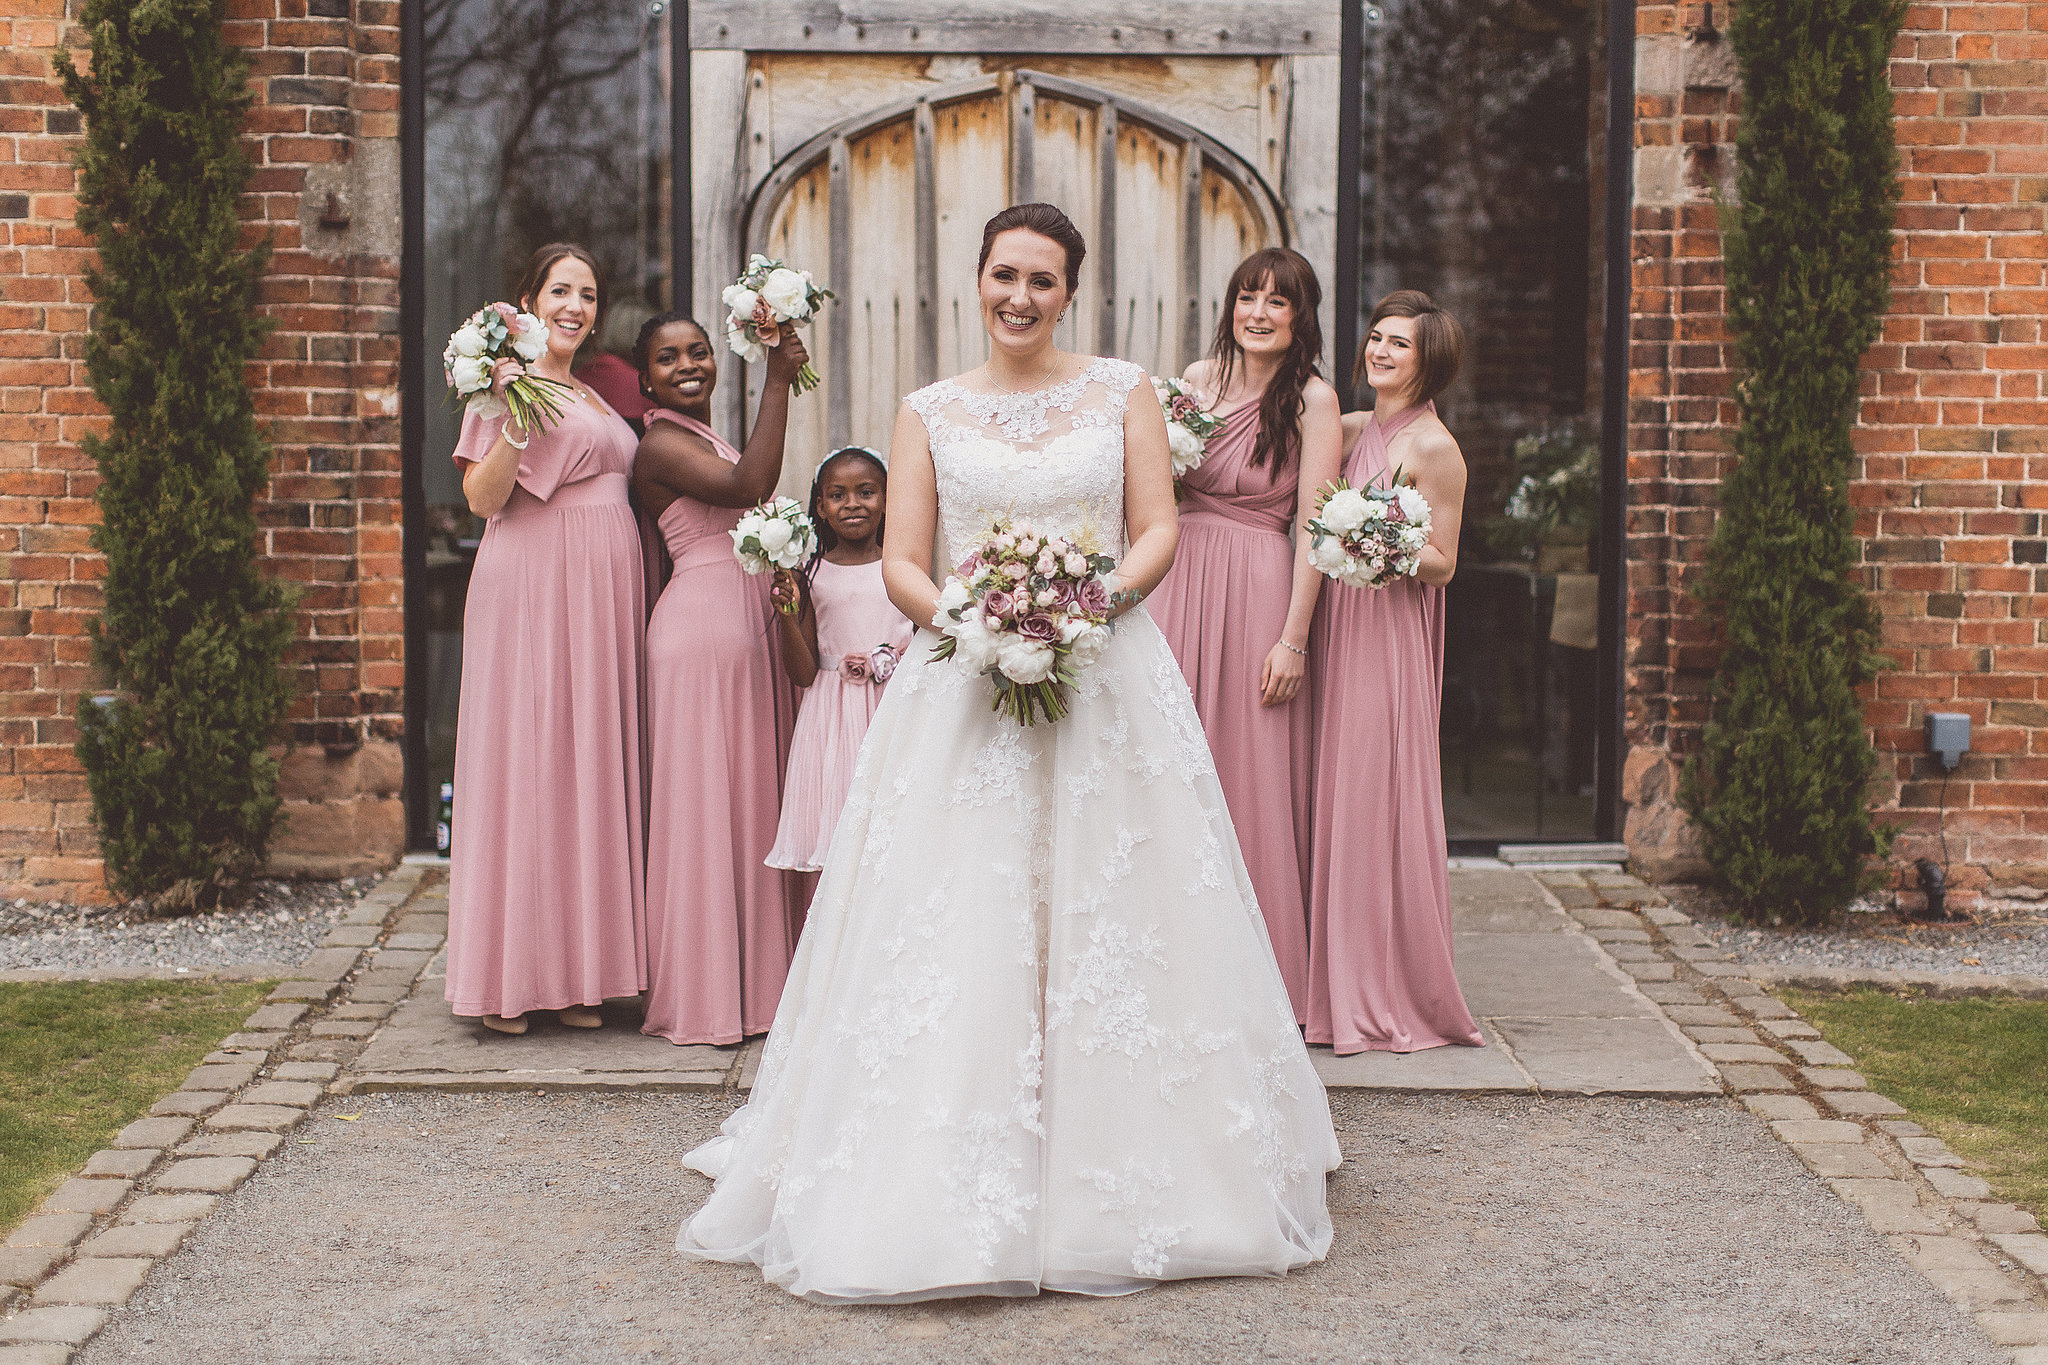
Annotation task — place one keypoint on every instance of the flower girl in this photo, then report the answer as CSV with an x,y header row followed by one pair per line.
x,y
840,645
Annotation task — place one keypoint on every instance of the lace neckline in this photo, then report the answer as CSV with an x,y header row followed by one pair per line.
x,y
1023,416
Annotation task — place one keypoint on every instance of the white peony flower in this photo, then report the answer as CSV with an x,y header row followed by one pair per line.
x,y
1093,639
469,373
975,647
775,534
1184,446
1413,505
531,340
1025,661
753,352
952,598
788,293
467,341
739,300
1413,538
1327,554
1345,512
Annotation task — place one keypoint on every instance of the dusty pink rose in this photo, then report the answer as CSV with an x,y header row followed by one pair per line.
x,y
998,605
854,668
1065,592
1016,571
766,330
509,313
1093,598
1040,625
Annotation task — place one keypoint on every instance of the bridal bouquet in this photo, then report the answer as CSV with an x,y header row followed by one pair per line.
x,y
490,334
778,534
1367,537
767,297
1029,611
1189,423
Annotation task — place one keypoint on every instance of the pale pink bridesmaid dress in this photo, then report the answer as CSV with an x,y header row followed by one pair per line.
x,y
1380,972
721,924
544,893
1221,608
855,616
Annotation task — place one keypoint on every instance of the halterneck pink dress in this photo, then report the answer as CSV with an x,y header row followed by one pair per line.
x,y
721,924
1380,972
855,617
1221,608
544,890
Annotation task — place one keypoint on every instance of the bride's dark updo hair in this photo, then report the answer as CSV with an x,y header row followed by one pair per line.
x,y
1047,222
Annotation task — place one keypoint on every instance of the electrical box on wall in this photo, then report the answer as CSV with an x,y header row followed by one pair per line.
x,y
1948,737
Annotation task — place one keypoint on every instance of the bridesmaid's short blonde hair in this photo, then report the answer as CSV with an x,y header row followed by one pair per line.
x,y
1439,341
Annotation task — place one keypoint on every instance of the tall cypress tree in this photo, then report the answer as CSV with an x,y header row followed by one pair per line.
x,y
1779,788
183,787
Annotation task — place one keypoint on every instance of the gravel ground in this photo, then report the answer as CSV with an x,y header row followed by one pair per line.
x,y
2003,941
494,1228
280,922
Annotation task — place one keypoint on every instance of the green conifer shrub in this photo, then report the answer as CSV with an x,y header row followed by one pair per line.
x,y
1779,788
192,636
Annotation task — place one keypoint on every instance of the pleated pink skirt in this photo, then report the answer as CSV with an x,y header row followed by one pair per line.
x,y
1221,609
831,722
544,896
721,924
1380,967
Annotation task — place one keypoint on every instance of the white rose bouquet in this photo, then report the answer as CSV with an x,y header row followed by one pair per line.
x,y
491,334
767,297
778,534
1028,611
1189,423
1368,537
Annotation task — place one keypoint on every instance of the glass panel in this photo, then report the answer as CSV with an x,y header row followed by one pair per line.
x,y
1476,186
546,120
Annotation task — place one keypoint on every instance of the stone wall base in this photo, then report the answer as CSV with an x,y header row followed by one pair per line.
x,y
344,813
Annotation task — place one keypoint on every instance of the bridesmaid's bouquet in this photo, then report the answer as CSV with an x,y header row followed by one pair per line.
x,y
1368,537
768,297
1028,611
778,534
489,335
1189,423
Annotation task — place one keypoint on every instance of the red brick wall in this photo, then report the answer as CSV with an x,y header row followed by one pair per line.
x,y
326,122
1953,434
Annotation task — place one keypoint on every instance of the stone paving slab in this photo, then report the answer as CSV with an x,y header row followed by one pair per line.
x,y
1533,976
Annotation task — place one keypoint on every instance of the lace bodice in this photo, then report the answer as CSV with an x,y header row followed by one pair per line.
x,y
1053,457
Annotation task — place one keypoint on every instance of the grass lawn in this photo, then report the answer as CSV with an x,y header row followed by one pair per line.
x,y
1969,1070
81,1060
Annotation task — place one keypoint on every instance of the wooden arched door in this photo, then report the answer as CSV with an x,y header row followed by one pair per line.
x,y
887,208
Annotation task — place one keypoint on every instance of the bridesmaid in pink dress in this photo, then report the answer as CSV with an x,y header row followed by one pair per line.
x,y
841,647
1237,605
721,924
1380,970
544,895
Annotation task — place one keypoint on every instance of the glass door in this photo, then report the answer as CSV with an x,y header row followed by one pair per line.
x,y
1476,186
545,120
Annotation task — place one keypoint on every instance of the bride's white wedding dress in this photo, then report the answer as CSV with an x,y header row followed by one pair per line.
x,y
1033,1037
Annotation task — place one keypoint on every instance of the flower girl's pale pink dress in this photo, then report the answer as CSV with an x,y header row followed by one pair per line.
x,y
544,893
721,924
1221,608
855,620
1380,976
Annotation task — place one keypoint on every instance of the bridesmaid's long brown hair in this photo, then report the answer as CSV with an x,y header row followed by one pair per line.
x,y
1288,274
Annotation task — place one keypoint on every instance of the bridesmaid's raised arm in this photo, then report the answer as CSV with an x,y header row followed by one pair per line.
x,y
674,462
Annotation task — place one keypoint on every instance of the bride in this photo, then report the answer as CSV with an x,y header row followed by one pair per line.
x,y
1033,1037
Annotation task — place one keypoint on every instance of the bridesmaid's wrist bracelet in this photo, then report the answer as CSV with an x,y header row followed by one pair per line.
x,y
1296,648
506,432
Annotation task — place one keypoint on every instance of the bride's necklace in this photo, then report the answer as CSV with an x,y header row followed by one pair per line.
x,y
1052,370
